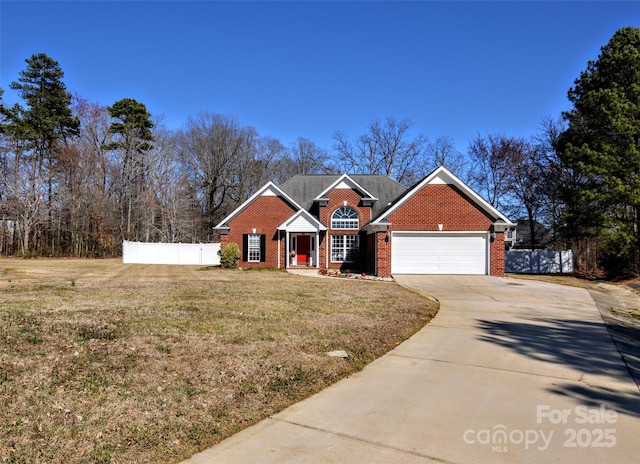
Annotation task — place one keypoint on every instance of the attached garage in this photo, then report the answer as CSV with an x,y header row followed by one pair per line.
x,y
439,253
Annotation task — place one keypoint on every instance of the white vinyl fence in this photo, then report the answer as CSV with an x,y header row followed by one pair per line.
x,y
205,254
539,262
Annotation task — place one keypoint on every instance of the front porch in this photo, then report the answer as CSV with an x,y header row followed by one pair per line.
x,y
302,250
302,238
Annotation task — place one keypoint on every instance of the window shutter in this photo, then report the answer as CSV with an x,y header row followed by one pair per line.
x,y
245,247
263,248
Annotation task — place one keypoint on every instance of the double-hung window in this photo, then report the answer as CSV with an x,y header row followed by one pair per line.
x,y
344,248
253,248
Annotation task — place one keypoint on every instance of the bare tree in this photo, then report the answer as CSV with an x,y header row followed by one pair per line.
x,y
25,192
493,158
521,178
85,217
524,184
303,157
204,165
442,152
553,175
252,164
222,161
387,148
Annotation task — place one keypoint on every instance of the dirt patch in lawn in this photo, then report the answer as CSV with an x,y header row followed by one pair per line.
x,y
106,362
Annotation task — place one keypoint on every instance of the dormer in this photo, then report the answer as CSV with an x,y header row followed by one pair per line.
x,y
346,182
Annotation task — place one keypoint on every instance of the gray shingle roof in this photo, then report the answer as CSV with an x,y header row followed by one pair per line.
x,y
304,188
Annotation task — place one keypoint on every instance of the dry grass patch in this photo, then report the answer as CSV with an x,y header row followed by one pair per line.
x,y
106,362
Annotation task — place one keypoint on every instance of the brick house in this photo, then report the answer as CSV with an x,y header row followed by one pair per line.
x,y
369,223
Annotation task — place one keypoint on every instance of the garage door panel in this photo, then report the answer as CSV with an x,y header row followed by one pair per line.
x,y
424,253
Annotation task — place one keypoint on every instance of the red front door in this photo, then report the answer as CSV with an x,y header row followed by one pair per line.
x,y
303,250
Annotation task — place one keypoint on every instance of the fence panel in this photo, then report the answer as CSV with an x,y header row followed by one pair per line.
x,y
204,254
539,262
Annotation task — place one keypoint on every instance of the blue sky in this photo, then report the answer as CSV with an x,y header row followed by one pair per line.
x,y
309,69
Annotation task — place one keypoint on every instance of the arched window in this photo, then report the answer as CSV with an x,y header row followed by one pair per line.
x,y
345,218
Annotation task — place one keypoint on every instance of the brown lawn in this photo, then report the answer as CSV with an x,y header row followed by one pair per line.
x,y
106,362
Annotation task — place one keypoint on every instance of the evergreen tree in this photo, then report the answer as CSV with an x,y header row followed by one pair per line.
x,y
601,149
133,126
37,129
48,116
133,137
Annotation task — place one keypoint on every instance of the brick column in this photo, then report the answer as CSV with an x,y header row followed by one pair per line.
x,y
383,249
497,256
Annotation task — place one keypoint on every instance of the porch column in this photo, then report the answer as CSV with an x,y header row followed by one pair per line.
x,y
286,249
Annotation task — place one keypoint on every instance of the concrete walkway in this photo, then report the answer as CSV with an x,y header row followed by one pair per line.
x,y
508,371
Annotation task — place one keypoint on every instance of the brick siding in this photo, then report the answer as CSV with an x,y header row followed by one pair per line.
x,y
432,205
337,197
440,204
264,214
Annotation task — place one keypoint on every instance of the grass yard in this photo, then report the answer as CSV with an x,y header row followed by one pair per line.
x,y
106,362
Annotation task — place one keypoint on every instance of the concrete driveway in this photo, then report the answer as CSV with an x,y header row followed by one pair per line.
x,y
508,371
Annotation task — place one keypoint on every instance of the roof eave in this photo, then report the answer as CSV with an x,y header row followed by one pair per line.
x,y
340,179
374,227
259,192
302,212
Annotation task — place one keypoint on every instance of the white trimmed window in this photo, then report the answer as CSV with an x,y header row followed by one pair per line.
x,y
344,248
253,243
345,218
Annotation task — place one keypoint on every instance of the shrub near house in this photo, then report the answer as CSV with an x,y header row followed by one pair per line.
x,y
230,255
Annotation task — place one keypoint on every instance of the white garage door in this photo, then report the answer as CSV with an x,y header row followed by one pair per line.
x,y
440,253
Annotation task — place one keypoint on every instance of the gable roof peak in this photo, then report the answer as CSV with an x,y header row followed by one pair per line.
x,y
269,189
442,175
347,180
306,188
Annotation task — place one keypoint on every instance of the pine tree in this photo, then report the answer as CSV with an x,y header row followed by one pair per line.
x,y
37,129
48,117
601,148
132,143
